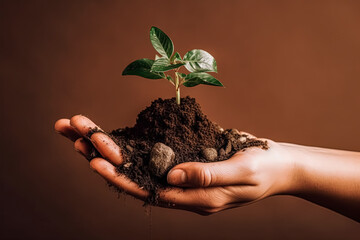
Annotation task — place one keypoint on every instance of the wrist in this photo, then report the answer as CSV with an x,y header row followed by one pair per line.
x,y
326,177
293,155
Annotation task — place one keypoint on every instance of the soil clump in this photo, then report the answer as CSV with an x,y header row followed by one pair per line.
x,y
186,130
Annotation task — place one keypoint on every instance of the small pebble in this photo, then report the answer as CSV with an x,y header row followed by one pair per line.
x,y
248,136
132,143
161,159
234,131
127,165
129,148
219,128
228,147
222,152
210,154
242,139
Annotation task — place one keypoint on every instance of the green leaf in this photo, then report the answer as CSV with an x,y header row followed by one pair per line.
x,y
163,64
142,68
176,56
170,79
157,57
198,60
183,75
161,42
193,79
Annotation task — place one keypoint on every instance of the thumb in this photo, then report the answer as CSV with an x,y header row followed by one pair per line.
x,y
196,174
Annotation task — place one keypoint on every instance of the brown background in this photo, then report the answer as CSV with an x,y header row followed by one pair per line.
x,y
291,70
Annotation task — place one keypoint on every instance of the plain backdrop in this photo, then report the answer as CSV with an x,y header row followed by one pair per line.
x,y
291,71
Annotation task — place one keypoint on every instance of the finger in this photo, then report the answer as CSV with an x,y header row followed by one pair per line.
x,y
83,147
82,124
176,196
195,174
63,127
107,148
108,171
198,200
181,197
173,198
194,198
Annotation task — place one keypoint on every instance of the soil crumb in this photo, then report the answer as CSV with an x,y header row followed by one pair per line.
x,y
183,128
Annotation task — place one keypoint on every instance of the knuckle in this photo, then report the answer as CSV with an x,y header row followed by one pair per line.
x,y
206,177
252,168
247,167
251,172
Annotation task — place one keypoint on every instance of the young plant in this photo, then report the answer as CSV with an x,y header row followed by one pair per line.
x,y
198,62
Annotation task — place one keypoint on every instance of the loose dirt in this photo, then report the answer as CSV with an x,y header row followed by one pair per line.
x,y
185,129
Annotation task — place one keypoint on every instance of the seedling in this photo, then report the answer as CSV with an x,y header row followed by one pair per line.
x,y
166,66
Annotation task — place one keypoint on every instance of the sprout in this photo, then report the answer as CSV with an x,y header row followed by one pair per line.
x,y
198,62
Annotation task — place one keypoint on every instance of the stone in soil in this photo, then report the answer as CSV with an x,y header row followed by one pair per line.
x,y
210,154
184,129
161,159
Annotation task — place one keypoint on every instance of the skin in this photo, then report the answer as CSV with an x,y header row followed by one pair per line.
x,y
330,178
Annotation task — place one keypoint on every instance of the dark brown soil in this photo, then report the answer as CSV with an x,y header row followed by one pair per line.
x,y
185,129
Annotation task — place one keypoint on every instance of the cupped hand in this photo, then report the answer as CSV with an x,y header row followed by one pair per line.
x,y
205,188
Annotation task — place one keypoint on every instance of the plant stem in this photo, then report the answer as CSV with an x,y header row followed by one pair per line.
x,y
178,96
177,87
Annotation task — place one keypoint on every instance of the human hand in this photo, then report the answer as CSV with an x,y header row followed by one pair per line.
x,y
204,188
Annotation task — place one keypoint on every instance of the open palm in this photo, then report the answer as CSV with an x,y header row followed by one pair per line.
x,y
203,188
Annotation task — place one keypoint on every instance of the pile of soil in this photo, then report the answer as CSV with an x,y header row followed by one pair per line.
x,y
183,128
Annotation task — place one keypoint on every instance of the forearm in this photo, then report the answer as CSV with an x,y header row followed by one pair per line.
x,y
330,178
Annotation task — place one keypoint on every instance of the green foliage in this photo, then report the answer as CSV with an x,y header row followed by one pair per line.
x,y
163,64
175,57
196,61
142,68
161,42
196,78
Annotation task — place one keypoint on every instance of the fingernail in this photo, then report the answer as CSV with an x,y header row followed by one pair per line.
x,y
176,177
